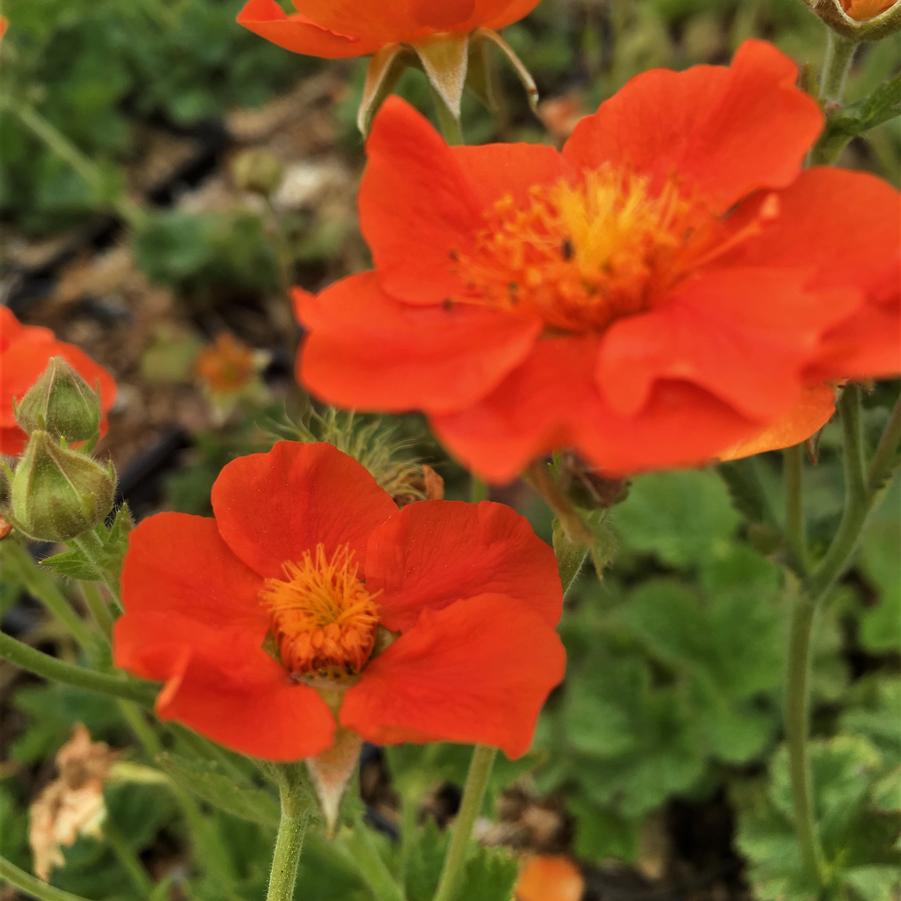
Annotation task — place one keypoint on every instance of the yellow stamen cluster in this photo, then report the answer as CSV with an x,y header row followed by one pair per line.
x,y
324,620
582,253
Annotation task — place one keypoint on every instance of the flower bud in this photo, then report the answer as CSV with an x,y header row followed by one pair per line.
x,y
859,20
62,403
58,493
257,171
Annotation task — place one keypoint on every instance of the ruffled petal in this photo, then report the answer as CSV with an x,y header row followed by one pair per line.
x,y
552,401
417,206
433,553
239,698
720,132
300,34
179,564
743,334
366,350
477,671
272,507
807,417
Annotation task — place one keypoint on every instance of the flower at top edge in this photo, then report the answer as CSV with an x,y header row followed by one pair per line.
x,y
664,290
25,351
310,607
344,28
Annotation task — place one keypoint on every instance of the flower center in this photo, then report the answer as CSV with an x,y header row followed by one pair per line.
x,y
581,254
323,619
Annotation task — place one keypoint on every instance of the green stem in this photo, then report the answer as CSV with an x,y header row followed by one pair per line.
x,y
797,727
836,65
795,526
408,823
289,841
862,488
140,879
60,145
470,807
478,490
370,864
39,583
91,547
31,885
22,655
98,608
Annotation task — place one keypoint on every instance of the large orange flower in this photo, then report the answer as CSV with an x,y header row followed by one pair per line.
x,y
24,353
310,592
668,286
342,28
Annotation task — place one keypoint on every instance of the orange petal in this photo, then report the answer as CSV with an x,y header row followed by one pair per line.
x,y
550,878
810,414
477,671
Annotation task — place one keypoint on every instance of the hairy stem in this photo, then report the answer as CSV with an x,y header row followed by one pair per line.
x,y
289,841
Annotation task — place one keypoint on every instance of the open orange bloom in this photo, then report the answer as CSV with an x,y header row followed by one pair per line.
x,y
25,351
668,286
342,28
310,597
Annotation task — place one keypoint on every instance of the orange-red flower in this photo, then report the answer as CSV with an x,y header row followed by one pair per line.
x,y
24,353
668,286
342,28
866,9
310,597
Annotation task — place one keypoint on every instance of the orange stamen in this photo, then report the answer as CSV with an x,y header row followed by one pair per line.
x,y
324,619
580,254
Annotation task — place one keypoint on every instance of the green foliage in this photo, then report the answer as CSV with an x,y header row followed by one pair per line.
x,y
74,564
857,826
213,784
205,255
88,66
684,518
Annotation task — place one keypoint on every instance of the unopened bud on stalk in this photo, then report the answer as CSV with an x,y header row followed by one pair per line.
x,y
258,171
58,493
62,403
859,20
586,487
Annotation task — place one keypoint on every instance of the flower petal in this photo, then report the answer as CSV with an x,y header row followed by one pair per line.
x,y
367,351
433,553
743,334
722,132
243,700
299,34
523,418
179,564
807,417
498,14
477,671
417,206
272,507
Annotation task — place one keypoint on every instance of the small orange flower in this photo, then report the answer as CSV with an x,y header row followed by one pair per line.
x,y
866,9
342,28
25,351
670,285
311,602
227,366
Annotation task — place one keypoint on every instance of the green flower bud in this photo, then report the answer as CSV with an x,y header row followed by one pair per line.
x,y
62,403
57,493
258,171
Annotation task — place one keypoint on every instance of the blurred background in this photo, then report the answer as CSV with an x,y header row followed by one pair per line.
x,y
165,177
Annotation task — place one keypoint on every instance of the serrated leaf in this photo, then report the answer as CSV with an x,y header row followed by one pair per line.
x,y
855,119
210,783
426,858
73,564
683,518
490,875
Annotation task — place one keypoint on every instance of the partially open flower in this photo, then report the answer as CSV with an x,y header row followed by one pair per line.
x,y
25,351
859,19
437,34
311,602
670,285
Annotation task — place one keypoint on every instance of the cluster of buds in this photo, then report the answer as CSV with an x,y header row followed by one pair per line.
x,y
859,20
57,491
